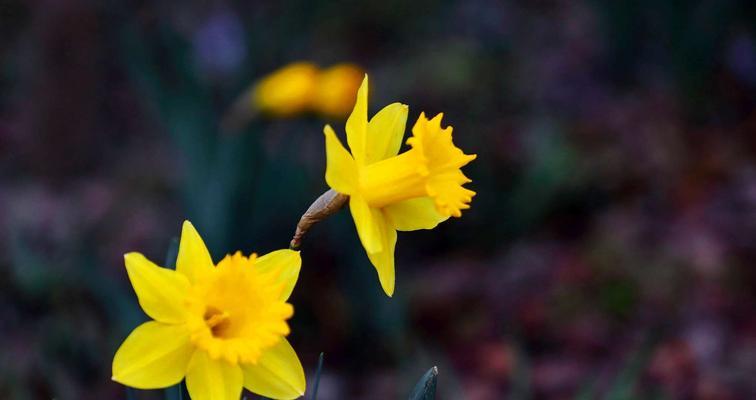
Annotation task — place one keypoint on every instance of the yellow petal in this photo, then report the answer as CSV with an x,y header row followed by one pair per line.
x,y
383,261
160,291
278,373
193,257
367,221
285,264
385,133
341,170
356,125
208,379
414,214
155,355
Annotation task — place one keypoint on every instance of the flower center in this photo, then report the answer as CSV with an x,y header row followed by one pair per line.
x,y
237,311
218,321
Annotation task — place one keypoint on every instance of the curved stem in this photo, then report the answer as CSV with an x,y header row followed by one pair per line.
x,y
326,205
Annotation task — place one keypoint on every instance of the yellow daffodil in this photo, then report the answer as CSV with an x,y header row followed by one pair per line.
x,y
220,326
336,90
302,87
287,91
391,192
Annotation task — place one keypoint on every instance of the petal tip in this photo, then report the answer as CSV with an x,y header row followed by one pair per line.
x,y
130,258
364,83
388,287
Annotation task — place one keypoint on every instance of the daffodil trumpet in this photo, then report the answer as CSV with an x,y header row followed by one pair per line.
x,y
389,191
222,327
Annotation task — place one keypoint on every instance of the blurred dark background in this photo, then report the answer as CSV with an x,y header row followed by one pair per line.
x,y
608,254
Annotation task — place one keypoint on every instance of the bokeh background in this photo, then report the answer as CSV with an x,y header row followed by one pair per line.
x,y
608,254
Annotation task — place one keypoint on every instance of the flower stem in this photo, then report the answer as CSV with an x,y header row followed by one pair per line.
x,y
326,205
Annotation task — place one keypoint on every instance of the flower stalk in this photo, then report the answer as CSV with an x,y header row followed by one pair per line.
x,y
324,206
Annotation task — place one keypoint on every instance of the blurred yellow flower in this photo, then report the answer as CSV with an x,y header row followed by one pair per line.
x,y
222,327
302,87
336,90
287,91
391,192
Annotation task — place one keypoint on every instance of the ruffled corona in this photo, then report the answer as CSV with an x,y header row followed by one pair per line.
x,y
431,168
236,312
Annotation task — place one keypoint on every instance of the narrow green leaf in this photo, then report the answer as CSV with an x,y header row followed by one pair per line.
x,y
172,253
426,386
317,378
175,392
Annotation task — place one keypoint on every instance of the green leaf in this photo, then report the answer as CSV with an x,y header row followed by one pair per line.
x,y
175,392
317,378
172,254
426,386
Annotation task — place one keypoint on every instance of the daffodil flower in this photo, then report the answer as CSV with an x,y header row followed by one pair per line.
x,y
390,192
303,87
287,91
336,89
220,326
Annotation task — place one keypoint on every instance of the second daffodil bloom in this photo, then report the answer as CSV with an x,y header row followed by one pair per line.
x,y
287,91
220,326
303,87
336,89
391,192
